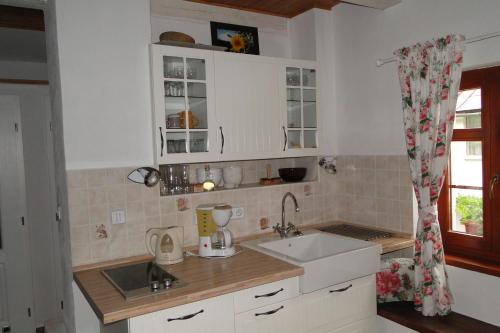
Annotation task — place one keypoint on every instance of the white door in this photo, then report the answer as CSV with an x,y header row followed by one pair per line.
x,y
248,106
279,317
15,269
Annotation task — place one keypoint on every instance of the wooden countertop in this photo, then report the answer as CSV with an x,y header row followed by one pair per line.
x,y
205,277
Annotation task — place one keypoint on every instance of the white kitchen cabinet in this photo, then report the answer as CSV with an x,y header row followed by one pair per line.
x,y
284,316
334,307
184,105
299,94
349,307
211,315
248,104
218,106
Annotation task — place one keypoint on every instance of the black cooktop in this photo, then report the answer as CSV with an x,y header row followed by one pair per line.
x,y
142,279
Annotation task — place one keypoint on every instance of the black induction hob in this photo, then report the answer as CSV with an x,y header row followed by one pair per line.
x,y
142,279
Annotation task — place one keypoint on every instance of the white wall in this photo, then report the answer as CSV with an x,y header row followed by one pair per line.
x,y
271,43
104,67
194,19
368,109
23,70
369,116
476,294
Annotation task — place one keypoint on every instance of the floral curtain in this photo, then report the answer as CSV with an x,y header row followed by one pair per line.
x,y
429,76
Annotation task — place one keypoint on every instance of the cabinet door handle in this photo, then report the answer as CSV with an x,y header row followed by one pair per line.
x,y
341,289
222,138
286,138
162,142
269,312
270,294
493,181
189,316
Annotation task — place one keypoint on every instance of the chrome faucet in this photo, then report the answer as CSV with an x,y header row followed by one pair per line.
x,y
284,229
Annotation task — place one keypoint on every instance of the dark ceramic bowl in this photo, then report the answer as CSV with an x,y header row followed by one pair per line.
x,y
292,175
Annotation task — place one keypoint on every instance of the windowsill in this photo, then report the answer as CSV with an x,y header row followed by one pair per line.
x,y
404,314
486,267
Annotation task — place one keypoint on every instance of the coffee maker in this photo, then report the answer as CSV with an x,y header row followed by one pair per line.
x,y
215,239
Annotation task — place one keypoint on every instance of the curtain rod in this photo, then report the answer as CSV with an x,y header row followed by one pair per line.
x,y
381,62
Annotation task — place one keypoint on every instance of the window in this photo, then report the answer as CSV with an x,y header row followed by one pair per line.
x,y
468,213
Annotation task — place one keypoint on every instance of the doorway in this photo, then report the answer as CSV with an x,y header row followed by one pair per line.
x,y
31,277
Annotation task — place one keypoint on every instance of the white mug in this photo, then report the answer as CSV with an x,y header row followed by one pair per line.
x,y
232,176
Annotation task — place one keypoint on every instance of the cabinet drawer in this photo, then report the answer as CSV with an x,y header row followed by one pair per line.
x,y
286,316
210,315
334,307
270,293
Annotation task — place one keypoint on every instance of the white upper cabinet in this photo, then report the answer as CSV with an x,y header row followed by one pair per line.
x,y
247,97
217,106
184,105
300,108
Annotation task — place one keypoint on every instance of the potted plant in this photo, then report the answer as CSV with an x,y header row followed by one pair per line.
x,y
470,213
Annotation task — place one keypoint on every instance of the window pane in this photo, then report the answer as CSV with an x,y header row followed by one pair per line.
x,y
310,139
292,76
466,166
195,69
198,142
175,103
293,107
176,143
294,140
467,211
197,101
309,108
309,77
173,67
468,113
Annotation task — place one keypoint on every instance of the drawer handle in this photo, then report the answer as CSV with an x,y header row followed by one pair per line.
x,y
162,142
189,316
341,289
269,312
286,138
222,139
270,294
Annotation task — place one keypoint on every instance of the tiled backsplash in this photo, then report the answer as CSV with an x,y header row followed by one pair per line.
x,y
368,190
93,194
375,191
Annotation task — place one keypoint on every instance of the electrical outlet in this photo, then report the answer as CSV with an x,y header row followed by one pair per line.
x,y
238,213
117,216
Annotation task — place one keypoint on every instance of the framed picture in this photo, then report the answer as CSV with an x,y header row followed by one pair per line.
x,y
237,38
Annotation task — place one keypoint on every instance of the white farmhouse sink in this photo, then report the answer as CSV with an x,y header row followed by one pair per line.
x,y
327,259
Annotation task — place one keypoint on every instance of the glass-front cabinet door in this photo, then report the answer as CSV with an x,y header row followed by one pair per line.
x,y
183,104
300,126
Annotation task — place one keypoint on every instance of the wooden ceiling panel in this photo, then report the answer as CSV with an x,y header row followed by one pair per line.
x,y
283,8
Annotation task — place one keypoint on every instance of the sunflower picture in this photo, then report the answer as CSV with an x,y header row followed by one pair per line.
x,y
236,38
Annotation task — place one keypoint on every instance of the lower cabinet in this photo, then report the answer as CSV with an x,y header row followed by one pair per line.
x,y
211,315
280,317
337,306
349,307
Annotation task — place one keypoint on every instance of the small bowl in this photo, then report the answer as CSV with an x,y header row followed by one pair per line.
x,y
292,175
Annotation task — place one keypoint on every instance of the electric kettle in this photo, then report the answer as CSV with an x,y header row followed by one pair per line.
x,y
165,244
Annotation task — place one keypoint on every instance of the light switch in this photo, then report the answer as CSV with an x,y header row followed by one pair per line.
x,y
117,216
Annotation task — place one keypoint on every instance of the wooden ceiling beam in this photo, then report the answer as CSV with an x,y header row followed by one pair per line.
x,y
288,9
21,18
